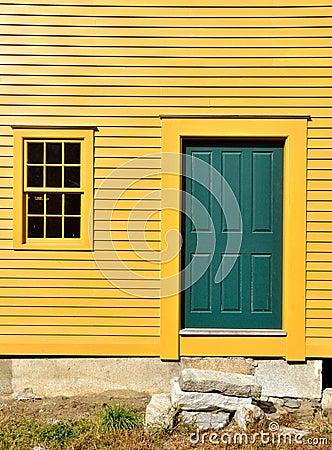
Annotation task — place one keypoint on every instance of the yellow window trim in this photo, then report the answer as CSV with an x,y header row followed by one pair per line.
x,y
294,131
86,137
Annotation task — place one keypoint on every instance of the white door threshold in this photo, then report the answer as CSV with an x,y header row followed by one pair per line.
x,y
231,332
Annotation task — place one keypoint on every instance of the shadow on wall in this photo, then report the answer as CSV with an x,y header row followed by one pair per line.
x,y
327,373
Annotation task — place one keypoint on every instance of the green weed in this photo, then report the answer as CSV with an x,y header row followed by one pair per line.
x,y
60,433
119,417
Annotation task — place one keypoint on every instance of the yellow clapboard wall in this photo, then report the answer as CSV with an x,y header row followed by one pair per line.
x,y
118,65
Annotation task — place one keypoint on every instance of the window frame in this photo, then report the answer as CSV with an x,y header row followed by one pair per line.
x,y
86,138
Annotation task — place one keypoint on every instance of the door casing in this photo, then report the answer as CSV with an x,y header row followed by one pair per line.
x,y
291,129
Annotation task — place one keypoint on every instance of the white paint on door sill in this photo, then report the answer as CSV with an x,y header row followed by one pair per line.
x,y
231,332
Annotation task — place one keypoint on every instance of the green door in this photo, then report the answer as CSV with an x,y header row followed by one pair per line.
x,y
247,292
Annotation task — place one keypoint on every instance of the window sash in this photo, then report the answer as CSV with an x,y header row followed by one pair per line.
x,y
45,165
81,134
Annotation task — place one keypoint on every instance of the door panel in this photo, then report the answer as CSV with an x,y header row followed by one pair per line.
x,y
261,283
198,302
262,198
249,296
231,165
231,288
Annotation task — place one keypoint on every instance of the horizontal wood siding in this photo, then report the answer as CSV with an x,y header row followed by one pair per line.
x,y
319,237
117,65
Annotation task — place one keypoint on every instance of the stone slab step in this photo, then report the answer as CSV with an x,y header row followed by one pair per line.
x,y
202,401
205,420
232,384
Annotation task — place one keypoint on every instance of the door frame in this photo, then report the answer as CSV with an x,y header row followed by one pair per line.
x,y
293,130
259,319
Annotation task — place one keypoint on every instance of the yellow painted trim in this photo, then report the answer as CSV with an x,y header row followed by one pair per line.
x,y
294,131
87,138
78,345
170,219
230,346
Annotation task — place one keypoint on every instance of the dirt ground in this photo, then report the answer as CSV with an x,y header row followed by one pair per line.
x,y
18,434
58,408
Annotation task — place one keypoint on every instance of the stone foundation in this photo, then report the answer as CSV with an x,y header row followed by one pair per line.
x,y
48,377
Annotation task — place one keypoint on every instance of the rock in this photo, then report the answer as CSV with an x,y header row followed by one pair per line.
x,y
52,421
303,415
278,402
232,384
231,364
292,403
201,401
252,362
327,399
266,406
281,379
327,404
247,415
159,411
328,415
313,403
206,420
273,416
26,395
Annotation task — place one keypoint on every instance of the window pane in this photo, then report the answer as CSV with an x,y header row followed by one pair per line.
x,y
35,176
53,176
36,204
35,227
73,204
72,227
72,153
72,177
35,153
53,227
54,204
53,153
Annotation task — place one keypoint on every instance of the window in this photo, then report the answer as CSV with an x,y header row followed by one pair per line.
x,y
53,187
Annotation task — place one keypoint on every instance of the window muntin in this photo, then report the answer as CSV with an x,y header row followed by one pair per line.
x,y
53,189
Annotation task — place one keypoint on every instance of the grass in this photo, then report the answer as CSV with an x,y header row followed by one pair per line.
x,y
119,417
59,434
17,434
118,427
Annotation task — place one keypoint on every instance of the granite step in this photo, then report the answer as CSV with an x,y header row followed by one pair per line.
x,y
231,384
